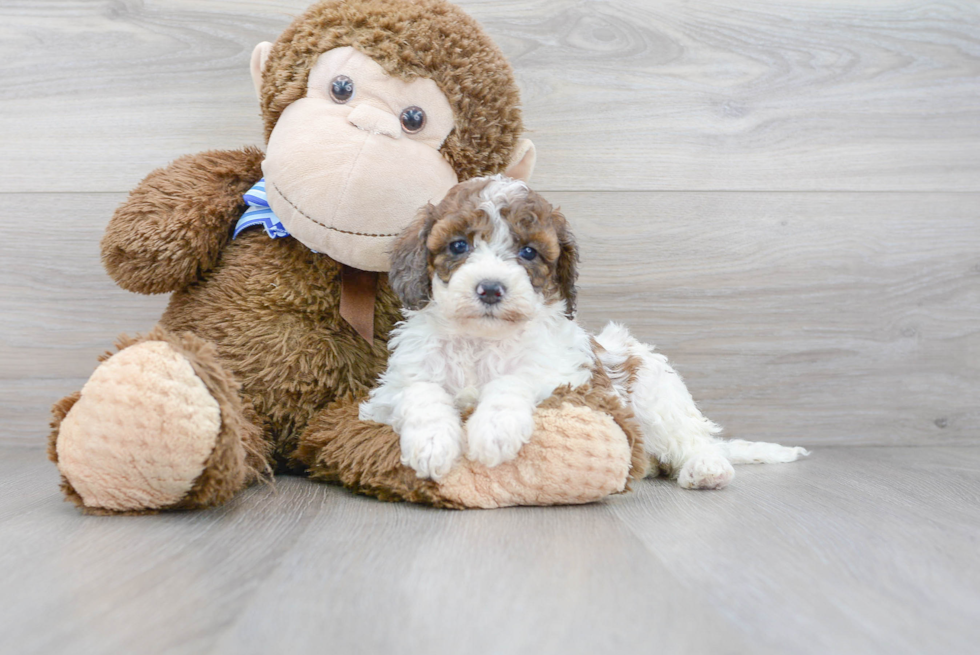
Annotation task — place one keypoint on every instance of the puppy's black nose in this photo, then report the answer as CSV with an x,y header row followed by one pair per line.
x,y
490,292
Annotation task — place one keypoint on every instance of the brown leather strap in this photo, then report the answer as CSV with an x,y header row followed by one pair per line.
x,y
358,289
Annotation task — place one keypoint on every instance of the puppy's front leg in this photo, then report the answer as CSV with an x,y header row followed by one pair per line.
x,y
502,422
429,429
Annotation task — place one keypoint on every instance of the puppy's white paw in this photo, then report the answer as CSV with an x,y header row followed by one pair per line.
x,y
708,470
431,449
494,436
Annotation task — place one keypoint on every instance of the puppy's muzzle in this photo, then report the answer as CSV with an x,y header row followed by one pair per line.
x,y
490,292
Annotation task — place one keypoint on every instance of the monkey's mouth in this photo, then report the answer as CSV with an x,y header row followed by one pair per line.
x,y
309,218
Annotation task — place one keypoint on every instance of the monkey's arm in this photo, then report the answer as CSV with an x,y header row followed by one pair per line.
x,y
585,446
176,221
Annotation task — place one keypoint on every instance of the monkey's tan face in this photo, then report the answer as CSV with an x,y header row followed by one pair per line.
x,y
348,166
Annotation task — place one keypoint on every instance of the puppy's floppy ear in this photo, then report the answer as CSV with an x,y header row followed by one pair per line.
x,y
409,274
567,267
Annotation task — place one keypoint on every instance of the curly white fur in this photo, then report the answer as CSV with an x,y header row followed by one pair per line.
x,y
675,432
456,353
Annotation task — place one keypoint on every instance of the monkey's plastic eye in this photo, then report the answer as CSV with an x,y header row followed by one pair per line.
x,y
413,119
341,89
459,247
528,253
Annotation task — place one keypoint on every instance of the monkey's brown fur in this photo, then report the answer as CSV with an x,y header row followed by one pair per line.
x,y
258,318
174,226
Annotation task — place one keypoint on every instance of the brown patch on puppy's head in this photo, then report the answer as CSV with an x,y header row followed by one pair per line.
x,y
460,218
492,214
421,250
409,39
537,224
409,274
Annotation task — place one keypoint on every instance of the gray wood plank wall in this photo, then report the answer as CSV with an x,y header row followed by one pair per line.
x,y
784,196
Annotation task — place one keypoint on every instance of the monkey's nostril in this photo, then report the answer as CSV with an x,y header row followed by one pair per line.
x,y
490,292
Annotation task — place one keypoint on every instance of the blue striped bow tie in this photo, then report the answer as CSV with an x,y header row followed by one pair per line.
x,y
259,213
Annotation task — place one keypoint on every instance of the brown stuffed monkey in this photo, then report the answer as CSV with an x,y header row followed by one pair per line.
x,y
372,108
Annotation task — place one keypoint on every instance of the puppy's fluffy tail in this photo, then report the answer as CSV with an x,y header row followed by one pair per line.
x,y
739,451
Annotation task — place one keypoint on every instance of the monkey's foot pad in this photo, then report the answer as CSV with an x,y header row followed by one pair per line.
x,y
576,455
142,431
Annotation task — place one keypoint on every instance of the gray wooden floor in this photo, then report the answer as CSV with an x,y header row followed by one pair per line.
x,y
783,195
855,550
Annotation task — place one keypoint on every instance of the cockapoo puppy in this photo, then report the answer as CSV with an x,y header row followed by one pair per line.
x,y
488,280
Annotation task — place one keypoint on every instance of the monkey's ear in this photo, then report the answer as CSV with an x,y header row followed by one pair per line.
x,y
522,161
567,267
259,56
409,274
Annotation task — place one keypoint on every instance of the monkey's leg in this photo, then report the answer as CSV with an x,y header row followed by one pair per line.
x,y
159,425
581,451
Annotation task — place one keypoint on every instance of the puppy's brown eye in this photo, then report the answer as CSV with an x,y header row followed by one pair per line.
x,y
412,119
459,247
528,253
341,89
